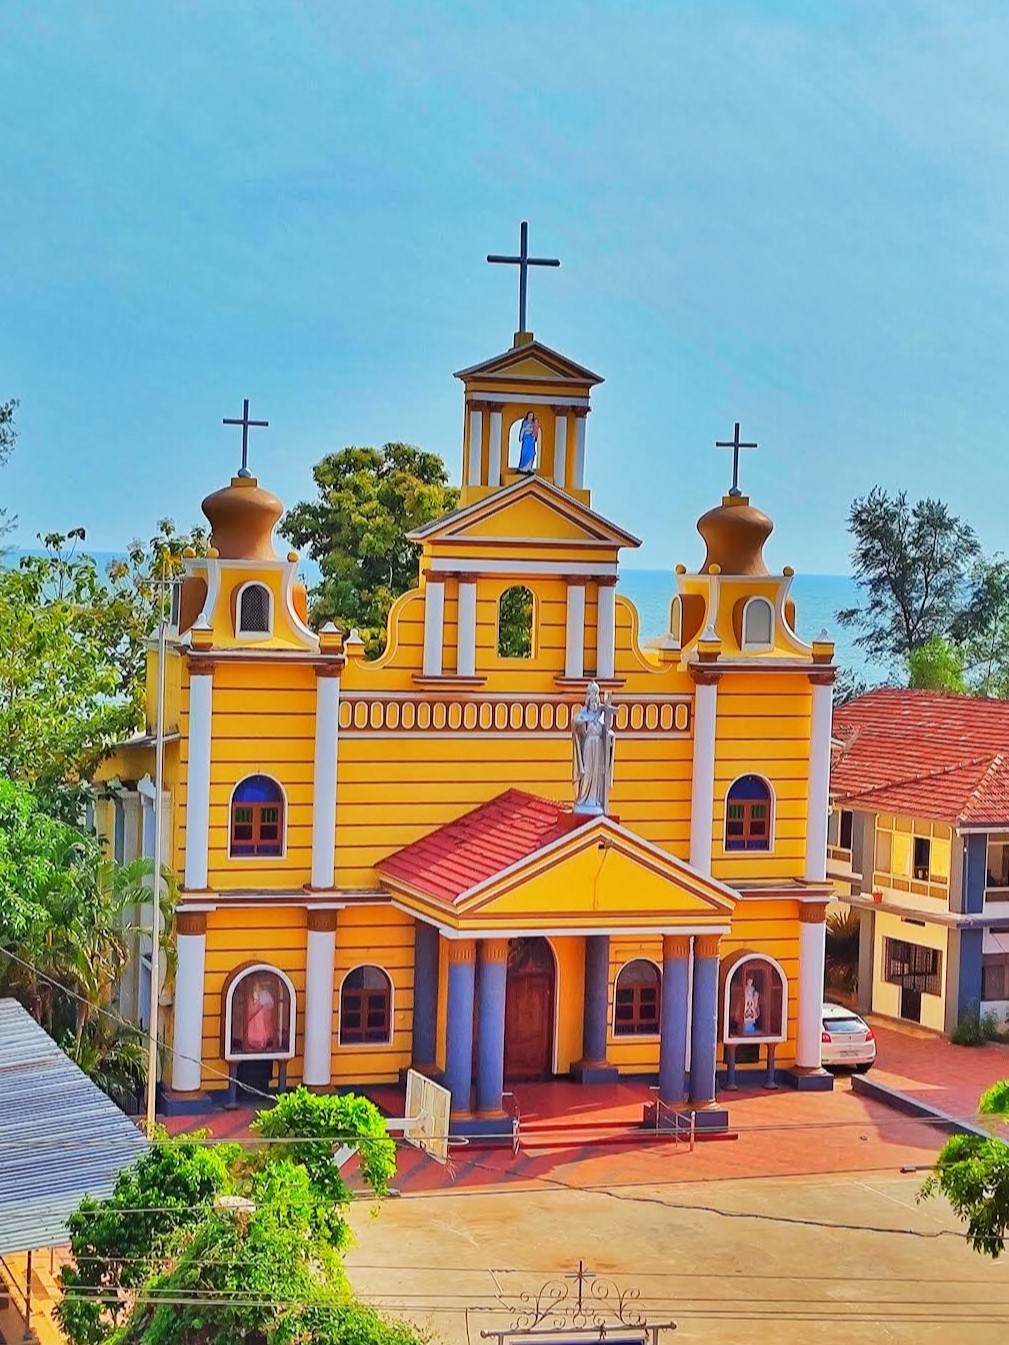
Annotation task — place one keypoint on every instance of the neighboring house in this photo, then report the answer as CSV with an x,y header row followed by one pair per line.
x,y
920,831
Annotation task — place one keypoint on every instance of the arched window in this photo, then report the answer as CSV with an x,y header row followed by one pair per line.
x,y
259,1008
254,610
365,1007
748,814
676,622
636,999
257,817
758,624
515,623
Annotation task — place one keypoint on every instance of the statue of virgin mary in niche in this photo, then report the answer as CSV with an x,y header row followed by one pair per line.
x,y
529,442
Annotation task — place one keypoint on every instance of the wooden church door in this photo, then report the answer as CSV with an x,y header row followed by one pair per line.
x,y
529,1010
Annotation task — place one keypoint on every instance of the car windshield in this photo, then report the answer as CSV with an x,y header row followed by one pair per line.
x,y
844,1024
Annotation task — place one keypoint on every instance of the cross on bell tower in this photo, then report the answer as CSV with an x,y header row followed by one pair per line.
x,y
246,425
523,261
735,444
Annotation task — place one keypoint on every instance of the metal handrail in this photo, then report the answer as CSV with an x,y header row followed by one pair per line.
x,y
681,1120
516,1115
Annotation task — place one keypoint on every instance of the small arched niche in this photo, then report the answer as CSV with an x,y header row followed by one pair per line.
x,y
754,999
758,624
516,611
259,1014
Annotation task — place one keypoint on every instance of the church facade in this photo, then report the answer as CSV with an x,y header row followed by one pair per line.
x,y
406,861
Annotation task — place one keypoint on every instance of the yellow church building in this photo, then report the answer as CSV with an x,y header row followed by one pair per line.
x,y
504,849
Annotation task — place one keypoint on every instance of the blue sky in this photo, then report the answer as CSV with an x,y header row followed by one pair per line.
x,y
790,214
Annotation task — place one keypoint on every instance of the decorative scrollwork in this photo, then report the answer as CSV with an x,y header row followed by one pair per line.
x,y
580,1301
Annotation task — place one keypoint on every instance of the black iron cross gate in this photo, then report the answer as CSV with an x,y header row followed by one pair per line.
x,y
581,1307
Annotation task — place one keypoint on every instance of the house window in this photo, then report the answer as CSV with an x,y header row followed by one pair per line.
x,y
636,999
515,623
922,851
254,610
257,817
998,864
995,976
365,1007
758,624
912,966
259,1015
845,830
748,814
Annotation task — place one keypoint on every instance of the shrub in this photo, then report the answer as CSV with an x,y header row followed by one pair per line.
x,y
975,1030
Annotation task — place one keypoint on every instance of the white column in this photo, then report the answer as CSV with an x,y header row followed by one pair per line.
x,y
434,625
465,663
475,445
494,448
574,647
819,781
327,739
702,788
812,953
187,1038
201,692
579,469
318,1068
560,447
606,612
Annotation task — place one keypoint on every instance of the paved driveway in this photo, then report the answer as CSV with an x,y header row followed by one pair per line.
x,y
928,1066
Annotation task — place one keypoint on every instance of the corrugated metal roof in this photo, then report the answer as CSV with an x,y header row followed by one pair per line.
x,y
61,1138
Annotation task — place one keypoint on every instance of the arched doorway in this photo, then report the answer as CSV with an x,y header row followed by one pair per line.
x,y
529,1009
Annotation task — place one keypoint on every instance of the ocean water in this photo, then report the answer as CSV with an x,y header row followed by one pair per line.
x,y
818,598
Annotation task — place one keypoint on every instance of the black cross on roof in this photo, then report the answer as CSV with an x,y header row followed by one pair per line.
x,y
246,424
523,261
735,445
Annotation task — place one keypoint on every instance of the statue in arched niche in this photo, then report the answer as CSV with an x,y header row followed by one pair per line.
x,y
529,442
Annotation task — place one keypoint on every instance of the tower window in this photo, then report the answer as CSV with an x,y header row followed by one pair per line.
x,y
254,610
515,623
748,814
758,624
257,817
676,621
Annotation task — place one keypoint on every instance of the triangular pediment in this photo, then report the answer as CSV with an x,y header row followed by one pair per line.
x,y
600,871
533,361
530,510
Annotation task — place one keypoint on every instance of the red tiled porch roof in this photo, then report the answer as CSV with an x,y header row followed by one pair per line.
x,y
478,845
924,754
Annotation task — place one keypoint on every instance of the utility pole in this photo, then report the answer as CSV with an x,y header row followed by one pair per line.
x,y
159,785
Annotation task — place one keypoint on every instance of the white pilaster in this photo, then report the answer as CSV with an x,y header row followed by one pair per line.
x,y
494,448
606,611
560,448
327,739
319,997
702,788
434,625
187,1039
475,445
812,953
819,782
201,693
579,467
465,664
574,647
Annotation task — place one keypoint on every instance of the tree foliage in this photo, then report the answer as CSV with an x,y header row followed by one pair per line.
x,y
8,438
981,629
936,665
972,1172
201,1245
72,654
369,499
912,562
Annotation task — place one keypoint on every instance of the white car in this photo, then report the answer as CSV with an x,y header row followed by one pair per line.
x,y
846,1039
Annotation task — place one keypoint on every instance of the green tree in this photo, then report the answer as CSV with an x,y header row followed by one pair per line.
x,y
116,1244
936,665
369,499
8,438
972,1172
72,653
981,628
911,563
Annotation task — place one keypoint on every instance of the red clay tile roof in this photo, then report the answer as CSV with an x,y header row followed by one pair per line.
x,y
476,846
924,754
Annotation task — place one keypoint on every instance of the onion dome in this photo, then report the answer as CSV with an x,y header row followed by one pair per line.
x,y
735,533
242,518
